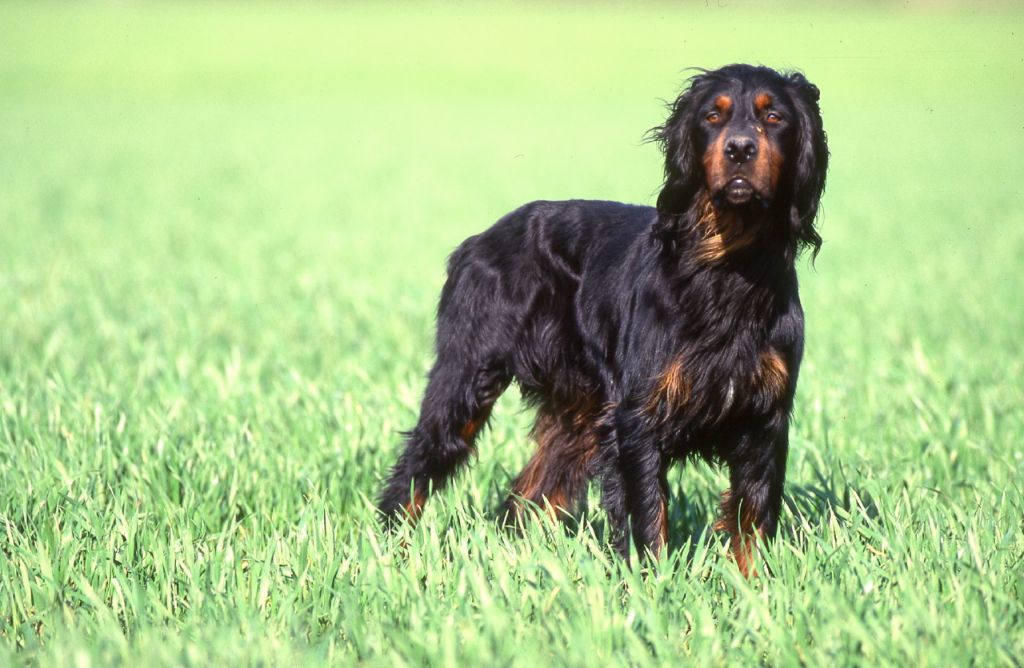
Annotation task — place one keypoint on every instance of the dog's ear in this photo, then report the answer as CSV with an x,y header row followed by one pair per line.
x,y
683,168
811,161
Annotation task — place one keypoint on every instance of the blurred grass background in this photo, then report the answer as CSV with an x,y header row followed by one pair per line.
x,y
223,233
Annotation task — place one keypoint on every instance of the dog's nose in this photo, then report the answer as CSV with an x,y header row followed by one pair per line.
x,y
740,149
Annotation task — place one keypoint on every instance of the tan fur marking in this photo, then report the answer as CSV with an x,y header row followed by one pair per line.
x,y
714,163
744,551
744,534
768,165
774,166
554,475
724,233
528,481
772,376
414,508
556,505
473,426
671,390
469,430
762,101
662,526
723,103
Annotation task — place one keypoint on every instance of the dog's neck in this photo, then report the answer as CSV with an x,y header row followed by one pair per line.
x,y
722,233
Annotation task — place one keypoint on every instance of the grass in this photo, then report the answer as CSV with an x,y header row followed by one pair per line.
x,y
224,230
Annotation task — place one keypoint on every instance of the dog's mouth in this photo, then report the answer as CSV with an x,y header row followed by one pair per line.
x,y
738,190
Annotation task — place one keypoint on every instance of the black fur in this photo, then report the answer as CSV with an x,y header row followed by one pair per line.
x,y
642,335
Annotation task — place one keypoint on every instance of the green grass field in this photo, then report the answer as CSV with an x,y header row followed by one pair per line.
x,y
224,230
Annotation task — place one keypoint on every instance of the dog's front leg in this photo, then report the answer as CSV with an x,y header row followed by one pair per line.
x,y
633,487
613,501
642,469
750,508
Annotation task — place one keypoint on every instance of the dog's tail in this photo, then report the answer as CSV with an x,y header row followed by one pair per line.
x,y
469,375
455,409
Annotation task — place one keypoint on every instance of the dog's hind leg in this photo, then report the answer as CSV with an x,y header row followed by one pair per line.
x,y
455,408
480,315
556,477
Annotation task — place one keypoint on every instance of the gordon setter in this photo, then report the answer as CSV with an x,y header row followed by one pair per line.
x,y
641,335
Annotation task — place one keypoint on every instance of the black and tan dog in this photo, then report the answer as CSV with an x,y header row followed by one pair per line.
x,y
642,335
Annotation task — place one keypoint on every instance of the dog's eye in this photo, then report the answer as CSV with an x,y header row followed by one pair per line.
x,y
772,118
713,117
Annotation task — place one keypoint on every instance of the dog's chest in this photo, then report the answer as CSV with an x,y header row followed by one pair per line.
x,y
733,353
705,388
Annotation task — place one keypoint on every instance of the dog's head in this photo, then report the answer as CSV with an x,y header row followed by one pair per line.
x,y
750,138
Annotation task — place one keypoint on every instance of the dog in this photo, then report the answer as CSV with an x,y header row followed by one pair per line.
x,y
643,336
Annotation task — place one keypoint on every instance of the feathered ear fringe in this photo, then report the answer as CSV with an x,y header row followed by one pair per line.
x,y
811,163
683,169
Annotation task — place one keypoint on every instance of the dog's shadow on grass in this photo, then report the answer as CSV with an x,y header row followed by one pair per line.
x,y
825,494
693,508
692,515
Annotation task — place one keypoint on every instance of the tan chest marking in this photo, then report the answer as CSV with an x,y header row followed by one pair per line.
x,y
772,375
672,389
723,233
